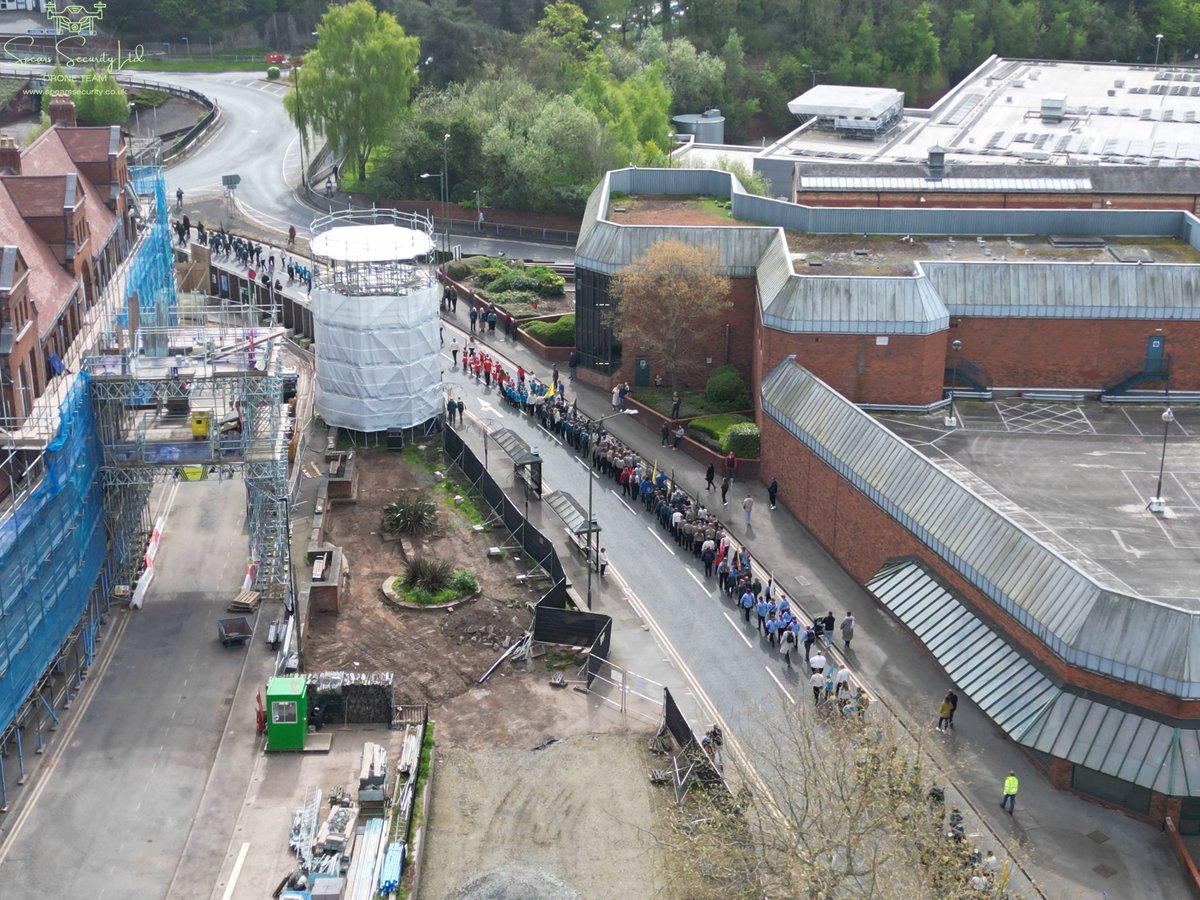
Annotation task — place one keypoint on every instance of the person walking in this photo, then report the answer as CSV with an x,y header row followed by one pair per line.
x,y
179,198
747,508
944,711
291,235
1010,793
817,661
747,604
829,621
809,638
953,698
772,492
730,465
848,630
602,561
841,682
725,491
787,643
454,351
665,433
573,363
461,408
709,475
817,682
451,409
474,317
761,608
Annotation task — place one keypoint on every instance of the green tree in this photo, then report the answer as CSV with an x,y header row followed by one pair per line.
x,y
59,82
110,102
295,102
358,79
85,94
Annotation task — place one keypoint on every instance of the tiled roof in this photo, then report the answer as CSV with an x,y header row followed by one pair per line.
x,y
50,285
86,144
42,195
49,156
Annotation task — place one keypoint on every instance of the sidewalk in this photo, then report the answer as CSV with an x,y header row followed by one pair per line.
x,y
1074,848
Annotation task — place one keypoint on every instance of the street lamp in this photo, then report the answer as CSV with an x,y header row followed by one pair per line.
x,y
591,517
1157,503
187,44
445,194
1157,47
442,187
137,119
951,421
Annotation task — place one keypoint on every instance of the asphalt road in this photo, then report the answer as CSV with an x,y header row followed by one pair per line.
x,y
112,821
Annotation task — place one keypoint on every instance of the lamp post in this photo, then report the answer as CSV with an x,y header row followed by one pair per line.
x,y
445,195
442,189
1157,47
951,420
591,519
187,44
1157,504
137,119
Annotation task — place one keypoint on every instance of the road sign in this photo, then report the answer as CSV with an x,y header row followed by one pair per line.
x,y
231,181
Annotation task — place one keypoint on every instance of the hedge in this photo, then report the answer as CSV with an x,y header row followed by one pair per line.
x,y
743,441
726,390
554,334
716,426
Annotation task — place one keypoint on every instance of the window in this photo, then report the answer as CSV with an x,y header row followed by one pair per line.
x,y
283,712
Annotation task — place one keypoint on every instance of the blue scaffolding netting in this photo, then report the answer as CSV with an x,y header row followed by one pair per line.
x,y
151,271
52,549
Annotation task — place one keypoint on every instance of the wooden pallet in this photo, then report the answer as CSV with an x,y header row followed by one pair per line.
x,y
245,602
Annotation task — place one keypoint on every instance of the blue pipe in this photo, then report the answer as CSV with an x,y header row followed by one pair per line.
x,y
3,788
20,756
49,708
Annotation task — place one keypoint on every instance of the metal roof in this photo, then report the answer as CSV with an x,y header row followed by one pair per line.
x,y
571,511
845,100
1067,290
1128,637
516,448
1030,707
945,185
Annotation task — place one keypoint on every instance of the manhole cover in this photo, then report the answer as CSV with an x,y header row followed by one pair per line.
x,y
1105,871
1098,836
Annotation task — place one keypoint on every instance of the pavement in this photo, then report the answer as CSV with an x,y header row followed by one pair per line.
x,y
1071,847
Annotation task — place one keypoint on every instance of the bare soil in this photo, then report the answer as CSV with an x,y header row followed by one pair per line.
x,y
653,210
435,654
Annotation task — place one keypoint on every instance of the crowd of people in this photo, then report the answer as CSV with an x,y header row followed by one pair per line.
x,y
260,262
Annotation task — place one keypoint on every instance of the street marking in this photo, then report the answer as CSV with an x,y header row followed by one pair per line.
x,y
738,630
696,578
1137,554
650,529
623,503
586,466
781,687
236,873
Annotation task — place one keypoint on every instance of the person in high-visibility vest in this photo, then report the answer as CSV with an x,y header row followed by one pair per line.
x,y
1010,793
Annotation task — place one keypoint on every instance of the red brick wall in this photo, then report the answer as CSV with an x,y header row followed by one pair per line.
x,y
1074,353
908,370
862,537
1020,200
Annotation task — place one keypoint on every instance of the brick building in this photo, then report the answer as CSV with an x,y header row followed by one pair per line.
x,y
852,308
65,225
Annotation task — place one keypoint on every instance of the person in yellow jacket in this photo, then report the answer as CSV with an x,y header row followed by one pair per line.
x,y
1010,793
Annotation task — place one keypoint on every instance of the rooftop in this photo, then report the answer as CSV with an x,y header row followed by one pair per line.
x,y
649,209
845,100
1078,476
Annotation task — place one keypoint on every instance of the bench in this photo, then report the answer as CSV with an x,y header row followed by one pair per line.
x,y
580,542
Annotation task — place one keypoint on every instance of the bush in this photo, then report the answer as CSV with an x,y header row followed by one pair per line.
x,y
464,582
409,516
716,426
273,73
518,304
553,334
458,269
431,575
486,274
727,390
511,280
549,282
380,187
742,441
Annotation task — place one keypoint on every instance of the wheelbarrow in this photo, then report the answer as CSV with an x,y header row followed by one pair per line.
x,y
235,630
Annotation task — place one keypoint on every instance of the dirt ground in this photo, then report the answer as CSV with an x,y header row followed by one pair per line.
x,y
571,820
435,654
650,210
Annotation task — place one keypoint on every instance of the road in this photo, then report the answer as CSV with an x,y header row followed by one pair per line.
x,y
112,820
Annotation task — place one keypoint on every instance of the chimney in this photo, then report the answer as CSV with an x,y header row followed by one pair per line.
x,y
10,155
62,110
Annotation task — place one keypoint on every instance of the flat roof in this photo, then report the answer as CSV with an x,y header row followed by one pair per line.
x,y
1079,475
845,100
1116,114
371,243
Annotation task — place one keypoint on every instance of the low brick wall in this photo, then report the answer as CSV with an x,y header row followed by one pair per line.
x,y
1190,872
553,354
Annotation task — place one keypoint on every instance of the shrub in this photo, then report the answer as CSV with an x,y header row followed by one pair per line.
x,y
553,334
409,516
464,582
458,269
430,575
726,390
380,187
549,282
511,280
273,73
486,274
716,426
519,304
742,440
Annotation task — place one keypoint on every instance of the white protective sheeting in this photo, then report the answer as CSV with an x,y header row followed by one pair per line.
x,y
378,363
368,243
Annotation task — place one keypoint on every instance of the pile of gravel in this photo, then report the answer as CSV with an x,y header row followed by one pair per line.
x,y
514,884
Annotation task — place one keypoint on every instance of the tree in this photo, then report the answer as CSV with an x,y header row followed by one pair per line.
x,y
296,104
662,298
855,811
358,79
59,82
110,102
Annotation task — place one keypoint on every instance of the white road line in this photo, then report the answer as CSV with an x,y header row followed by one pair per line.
x,y
236,873
650,529
586,466
1130,418
738,630
623,503
696,578
781,687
